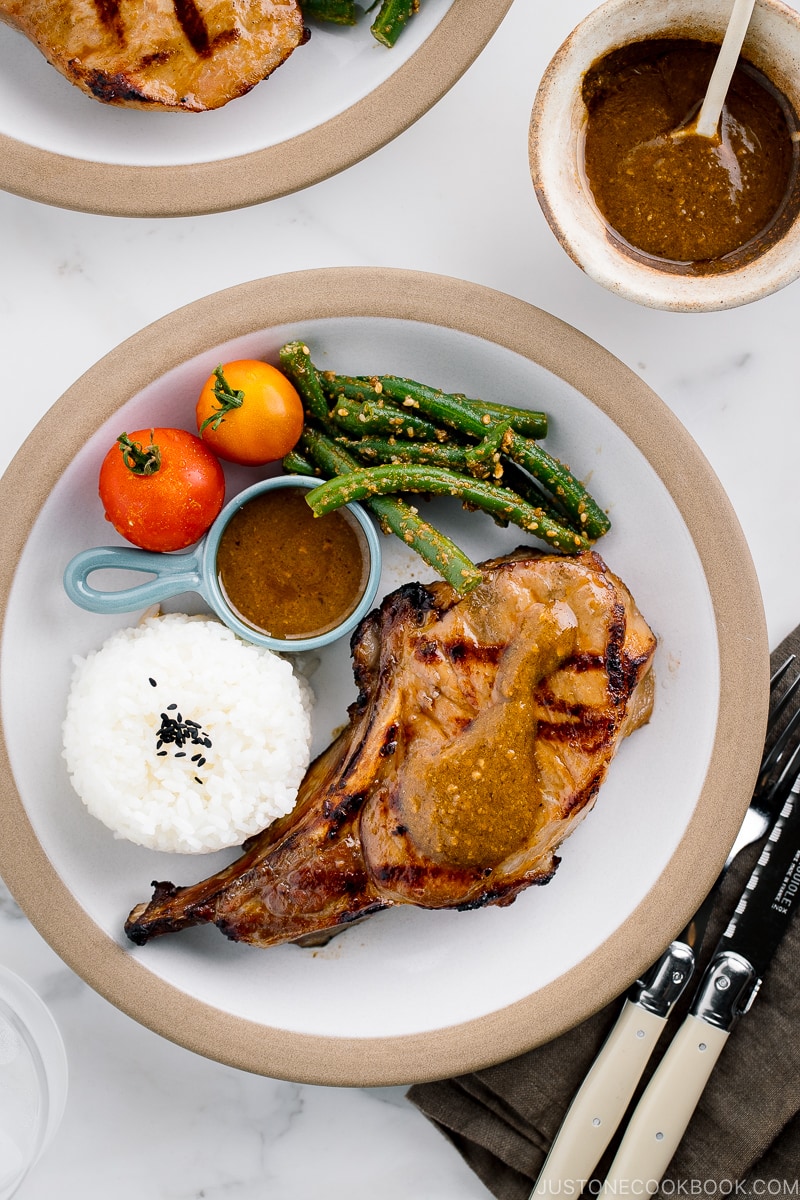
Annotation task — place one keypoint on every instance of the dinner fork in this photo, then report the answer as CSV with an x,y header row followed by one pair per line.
x,y
603,1098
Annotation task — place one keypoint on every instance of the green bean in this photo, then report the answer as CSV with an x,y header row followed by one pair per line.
x,y
559,480
339,12
297,464
371,417
389,450
295,358
527,422
483,460
519,481
453,411
396,516
499,502
392,18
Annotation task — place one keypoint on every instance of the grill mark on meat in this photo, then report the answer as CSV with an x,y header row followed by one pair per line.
x,y
154,60
588,736
194,27
472,653
110,18
224,38
618,685
337,814
585,662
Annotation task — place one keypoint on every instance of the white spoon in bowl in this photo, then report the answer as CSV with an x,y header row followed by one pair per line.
x,y
707,121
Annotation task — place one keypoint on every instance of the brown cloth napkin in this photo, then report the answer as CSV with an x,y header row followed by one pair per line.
x,y
744,1138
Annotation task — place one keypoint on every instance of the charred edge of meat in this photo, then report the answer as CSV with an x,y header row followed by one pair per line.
x,y
587,795
502,896
141,933
323,936
352,918
412,600
114,88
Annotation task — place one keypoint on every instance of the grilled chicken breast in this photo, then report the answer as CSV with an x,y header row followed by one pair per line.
x,y
482,731
177,55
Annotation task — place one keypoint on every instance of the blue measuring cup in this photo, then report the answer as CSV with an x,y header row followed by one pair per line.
x,y
196,571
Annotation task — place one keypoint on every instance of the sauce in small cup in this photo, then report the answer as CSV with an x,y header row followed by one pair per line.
x,y
273,572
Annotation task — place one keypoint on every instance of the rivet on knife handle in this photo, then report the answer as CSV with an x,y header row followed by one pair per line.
x,y
605,1093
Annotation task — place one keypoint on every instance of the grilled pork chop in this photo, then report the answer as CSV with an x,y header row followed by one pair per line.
x,y
482,731
179,55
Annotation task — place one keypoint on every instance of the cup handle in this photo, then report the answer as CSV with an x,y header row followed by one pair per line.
x,y
173,574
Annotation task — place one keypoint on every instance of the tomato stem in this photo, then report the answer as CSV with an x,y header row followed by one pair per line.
x,y
228,398
138,460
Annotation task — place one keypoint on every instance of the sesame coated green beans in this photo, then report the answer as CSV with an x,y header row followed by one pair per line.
x,y
372,451
499,502
455,409
380,439
352,416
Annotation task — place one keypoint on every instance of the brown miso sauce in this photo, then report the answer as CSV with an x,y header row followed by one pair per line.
x,y
287,573
699,204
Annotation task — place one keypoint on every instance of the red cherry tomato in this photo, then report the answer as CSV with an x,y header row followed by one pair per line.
x,y
249,413
161,488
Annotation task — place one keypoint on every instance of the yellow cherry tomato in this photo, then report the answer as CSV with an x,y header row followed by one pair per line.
x,y
249,413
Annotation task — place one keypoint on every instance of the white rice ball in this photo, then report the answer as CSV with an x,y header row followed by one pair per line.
x,y
181,737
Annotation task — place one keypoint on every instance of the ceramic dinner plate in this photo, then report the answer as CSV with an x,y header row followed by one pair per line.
x,y
408,994
336,100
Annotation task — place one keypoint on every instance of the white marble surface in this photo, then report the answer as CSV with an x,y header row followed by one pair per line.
x,y
451,195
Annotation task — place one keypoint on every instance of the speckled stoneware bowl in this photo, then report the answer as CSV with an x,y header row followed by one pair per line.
x,y
557,123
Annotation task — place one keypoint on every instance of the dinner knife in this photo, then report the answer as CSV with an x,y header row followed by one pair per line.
x,y
726,992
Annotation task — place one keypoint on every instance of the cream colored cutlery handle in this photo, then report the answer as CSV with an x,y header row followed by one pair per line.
x,y
665,1109
600,1103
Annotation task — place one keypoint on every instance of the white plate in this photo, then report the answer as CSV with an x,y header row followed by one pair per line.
x,y
336,100
409,994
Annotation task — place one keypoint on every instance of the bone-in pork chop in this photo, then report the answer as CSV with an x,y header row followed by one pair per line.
x,y
178,55
482,731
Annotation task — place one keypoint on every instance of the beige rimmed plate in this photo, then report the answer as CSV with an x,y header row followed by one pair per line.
x,y
336,100
408,995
